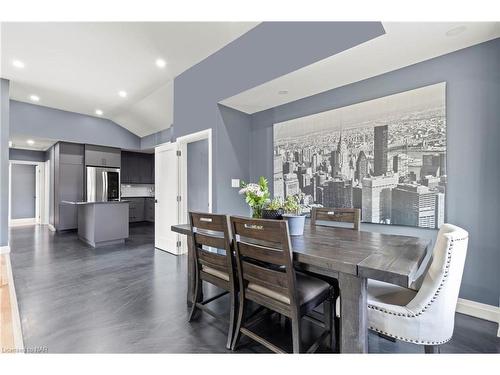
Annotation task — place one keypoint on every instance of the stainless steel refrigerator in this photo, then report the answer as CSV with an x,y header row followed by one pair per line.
x,y
103,184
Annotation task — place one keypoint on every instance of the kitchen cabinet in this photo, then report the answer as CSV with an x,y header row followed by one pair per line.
x,y
141,209
99,156
149,209
67,175
137,168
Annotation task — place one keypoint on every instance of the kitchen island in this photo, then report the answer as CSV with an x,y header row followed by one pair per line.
x,y
102,223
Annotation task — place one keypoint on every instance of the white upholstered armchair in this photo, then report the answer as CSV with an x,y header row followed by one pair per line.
x,y
425,317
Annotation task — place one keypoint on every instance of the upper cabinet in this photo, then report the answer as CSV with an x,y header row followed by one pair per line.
x,y
137,168
99,156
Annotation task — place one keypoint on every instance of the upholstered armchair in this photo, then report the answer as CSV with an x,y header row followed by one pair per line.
x,y
425,317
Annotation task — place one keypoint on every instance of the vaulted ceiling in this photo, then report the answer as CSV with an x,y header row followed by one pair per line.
x,y
82,67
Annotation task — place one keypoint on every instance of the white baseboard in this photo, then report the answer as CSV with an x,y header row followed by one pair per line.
x,y
479,310
4,249
21,222
51,228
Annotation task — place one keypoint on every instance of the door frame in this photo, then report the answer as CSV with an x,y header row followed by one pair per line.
x,y
182,143
41,194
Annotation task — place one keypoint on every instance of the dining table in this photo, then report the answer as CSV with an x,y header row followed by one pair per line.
x,y
352,257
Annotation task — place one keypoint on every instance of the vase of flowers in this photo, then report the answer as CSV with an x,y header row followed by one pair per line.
x,y
256,195
293,214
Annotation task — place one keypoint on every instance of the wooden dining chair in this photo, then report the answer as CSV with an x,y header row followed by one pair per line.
x,y
340,215
267,277
214,264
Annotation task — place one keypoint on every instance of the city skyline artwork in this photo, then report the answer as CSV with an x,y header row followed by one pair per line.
x,y
385,156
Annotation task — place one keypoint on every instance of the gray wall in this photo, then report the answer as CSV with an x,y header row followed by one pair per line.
x,y
23,185
197,175
4,162
269,50
150,141
50,123
473,131
27,155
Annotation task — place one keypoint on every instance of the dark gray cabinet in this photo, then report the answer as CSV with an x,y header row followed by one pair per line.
x,y
137,168
149,209
141,209
67,174
99,156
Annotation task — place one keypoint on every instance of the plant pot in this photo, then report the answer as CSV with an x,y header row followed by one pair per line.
x,y
272,214
295,224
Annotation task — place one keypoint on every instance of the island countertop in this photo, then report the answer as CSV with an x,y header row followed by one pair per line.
x,y
98,202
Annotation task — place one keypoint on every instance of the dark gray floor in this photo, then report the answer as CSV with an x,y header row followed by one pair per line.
x,y
131,298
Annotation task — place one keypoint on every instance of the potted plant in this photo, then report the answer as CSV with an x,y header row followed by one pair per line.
x,y
256,195
293,214
273,209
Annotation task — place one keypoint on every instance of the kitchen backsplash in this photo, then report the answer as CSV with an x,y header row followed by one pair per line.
x,y
138,190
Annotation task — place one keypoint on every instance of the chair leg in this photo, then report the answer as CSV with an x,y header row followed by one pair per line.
x,y
328,310
296,334
336,323
237,333
196,298
232,321
432,349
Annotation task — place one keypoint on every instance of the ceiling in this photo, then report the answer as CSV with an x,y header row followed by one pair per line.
x,y
36,144
81,66
403,44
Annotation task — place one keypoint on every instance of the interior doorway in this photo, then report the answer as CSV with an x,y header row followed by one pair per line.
x,y
27,193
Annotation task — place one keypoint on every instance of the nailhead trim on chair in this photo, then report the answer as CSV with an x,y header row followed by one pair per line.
x,y
410,340
433,298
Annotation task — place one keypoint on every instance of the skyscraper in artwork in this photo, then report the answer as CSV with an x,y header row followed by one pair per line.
x,y
380,146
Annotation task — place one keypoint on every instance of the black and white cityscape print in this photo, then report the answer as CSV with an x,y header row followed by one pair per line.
x,y
386,156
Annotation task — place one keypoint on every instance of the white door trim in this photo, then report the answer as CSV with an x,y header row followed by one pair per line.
x,y
182,144
41,200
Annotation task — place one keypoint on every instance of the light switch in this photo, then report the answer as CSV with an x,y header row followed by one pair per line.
x,y
235,182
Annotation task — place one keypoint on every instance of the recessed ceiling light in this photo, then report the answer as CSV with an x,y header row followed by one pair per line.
x,y
99,112
18,64
34,98
30,142
160,63
282,92
122,93
456,30
10,143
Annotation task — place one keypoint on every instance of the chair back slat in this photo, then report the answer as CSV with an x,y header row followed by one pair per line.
x,y
210,240
212,230
340,215
268,266
212,260
259,229
262,253
274,280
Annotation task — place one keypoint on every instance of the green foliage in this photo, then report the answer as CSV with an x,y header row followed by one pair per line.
x,y
292,205
275,204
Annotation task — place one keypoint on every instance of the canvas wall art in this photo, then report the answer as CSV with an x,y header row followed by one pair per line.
x,y
386,156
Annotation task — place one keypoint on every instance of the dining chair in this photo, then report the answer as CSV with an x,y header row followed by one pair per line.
x,y
341,215
267,277
214,264
425,317
336,215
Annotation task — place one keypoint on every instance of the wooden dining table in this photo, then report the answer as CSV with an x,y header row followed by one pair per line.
x,y
352,257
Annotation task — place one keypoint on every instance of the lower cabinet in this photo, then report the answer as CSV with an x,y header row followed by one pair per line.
x,y
141,209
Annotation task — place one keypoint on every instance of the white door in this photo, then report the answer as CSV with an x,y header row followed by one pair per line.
x,y
166,193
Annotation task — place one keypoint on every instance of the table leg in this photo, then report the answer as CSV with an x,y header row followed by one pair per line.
x,y
353,311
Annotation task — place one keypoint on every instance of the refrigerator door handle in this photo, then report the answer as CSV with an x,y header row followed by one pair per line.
x,y
104,190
